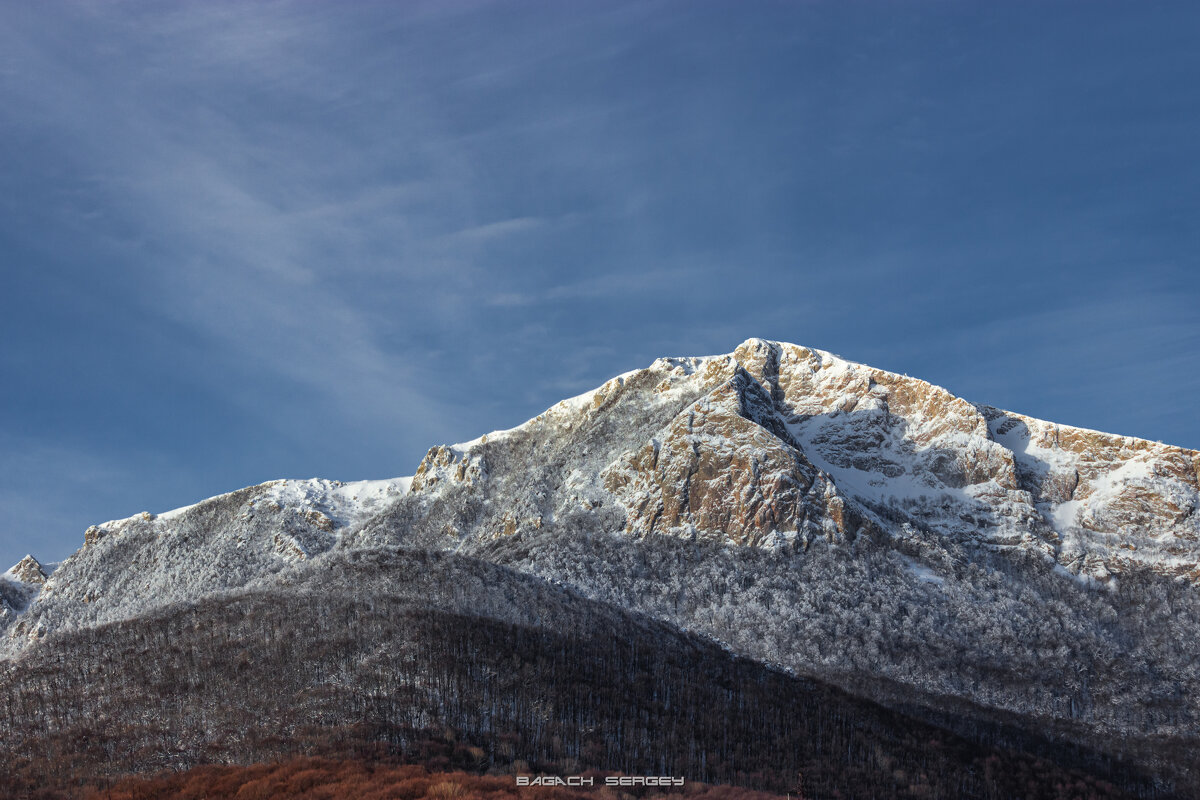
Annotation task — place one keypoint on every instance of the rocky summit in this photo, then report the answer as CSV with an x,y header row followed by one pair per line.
x,y
777,443
973,567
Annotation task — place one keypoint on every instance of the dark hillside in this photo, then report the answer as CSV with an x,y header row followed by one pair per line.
x,y
313,667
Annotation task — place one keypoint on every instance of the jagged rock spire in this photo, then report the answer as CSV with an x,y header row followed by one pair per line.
x,y
29,570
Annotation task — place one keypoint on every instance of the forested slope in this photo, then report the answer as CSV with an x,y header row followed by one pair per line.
x,y
529,673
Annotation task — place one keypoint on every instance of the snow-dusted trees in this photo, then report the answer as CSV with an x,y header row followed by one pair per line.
x,y
381,650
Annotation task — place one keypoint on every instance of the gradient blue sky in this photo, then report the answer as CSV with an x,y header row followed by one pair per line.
x,y
255,240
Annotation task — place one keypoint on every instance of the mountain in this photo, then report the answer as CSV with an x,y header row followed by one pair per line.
x,y
1020,584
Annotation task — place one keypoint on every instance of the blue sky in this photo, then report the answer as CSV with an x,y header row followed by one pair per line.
x,y
255,240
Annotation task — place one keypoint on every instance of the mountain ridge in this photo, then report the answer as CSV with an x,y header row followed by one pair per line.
x,y
821,516
839,429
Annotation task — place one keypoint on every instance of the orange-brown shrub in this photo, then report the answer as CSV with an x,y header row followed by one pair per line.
x,y
446,790
410,789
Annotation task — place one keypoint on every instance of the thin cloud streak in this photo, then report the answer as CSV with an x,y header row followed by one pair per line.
x,y
287,238
236,263
606,286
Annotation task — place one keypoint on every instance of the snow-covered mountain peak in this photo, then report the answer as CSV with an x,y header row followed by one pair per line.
x,y
884,448
772,445
130,566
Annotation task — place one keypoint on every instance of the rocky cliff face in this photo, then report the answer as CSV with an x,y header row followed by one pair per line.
x,y
29,571
727,467
776,442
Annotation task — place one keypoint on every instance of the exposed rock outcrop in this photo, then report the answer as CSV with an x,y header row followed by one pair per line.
x,y
29,570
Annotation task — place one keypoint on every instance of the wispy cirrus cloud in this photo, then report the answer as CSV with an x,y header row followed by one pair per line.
x,y
258,233
249,240
608,285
